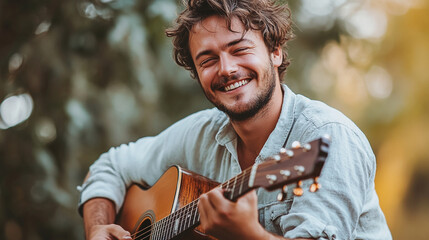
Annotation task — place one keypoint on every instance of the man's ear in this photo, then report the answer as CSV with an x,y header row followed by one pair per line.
x,y
277,56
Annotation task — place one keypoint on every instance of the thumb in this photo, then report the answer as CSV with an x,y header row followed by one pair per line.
x,y
119,233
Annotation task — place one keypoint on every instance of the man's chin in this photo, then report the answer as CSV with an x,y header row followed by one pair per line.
x,y
239,115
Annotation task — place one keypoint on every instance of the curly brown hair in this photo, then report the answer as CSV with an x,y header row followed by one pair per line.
x,y
273,20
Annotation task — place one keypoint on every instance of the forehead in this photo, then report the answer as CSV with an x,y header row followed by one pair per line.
x,y
216,24
214,32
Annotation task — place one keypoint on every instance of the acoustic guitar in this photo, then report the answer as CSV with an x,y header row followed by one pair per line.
x,y
169,209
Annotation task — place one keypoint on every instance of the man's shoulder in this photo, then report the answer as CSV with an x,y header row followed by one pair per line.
x,y
320,114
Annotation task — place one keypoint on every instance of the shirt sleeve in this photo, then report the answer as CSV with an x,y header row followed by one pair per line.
x,y
333,212
143,162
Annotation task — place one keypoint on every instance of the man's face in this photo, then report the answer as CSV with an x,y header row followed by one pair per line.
x,y
237,73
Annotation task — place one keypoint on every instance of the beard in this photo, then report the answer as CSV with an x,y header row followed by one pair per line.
x,y
257,104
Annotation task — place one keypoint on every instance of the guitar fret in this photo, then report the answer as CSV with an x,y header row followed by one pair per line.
x,y
266,174
195,210
241,184
233,188
187,221
160,230
178,221
162,227
189,217
175,223
184,217
165,228
154,233
169,233
198,217
153,229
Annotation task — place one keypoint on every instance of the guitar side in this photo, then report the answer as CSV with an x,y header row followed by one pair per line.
x,y
176,188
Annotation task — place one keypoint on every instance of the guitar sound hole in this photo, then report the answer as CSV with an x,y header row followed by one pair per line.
x,y
144,230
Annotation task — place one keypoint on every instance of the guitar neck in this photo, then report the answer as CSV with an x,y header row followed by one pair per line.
x,y
289,166
238,185
188,216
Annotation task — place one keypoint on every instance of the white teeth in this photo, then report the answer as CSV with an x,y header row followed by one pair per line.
x,y
236,85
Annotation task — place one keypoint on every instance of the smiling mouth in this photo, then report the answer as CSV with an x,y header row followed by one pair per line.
x,y
235,85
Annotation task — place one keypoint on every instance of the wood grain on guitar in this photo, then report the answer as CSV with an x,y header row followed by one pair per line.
x,y
169,209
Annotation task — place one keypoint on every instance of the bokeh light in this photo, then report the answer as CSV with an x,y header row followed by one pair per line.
x,y
15,109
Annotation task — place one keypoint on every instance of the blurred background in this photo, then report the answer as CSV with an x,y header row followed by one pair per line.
x,y
80,76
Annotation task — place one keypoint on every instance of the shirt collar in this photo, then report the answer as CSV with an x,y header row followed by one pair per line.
x,y
275,141
278,136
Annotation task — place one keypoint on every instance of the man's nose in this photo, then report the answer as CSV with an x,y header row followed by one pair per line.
x,y
227,65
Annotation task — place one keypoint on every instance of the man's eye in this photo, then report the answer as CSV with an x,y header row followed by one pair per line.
x,y
206,62
243,49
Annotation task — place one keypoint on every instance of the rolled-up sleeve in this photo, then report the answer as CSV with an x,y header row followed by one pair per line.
x,y
143,162
116,169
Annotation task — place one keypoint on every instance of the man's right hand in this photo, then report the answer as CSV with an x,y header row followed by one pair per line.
x,y
110,231
99,217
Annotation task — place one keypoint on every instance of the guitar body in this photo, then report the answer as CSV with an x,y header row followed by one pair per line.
x,y
169,209
176,188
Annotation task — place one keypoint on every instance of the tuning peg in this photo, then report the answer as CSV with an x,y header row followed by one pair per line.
x,y
306,147
271,178
285,173
315,186
298,190
286,152
296,144
283,194
299,169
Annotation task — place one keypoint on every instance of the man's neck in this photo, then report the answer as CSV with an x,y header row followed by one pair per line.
x,y
254,132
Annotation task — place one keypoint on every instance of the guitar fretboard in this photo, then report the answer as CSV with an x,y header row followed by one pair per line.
x,y
286,167
188,216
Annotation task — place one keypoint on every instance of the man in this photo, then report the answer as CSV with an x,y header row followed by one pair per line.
x,y
234,49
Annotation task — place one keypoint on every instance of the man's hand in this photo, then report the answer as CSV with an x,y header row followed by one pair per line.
x,y
99,216
225,219
108,232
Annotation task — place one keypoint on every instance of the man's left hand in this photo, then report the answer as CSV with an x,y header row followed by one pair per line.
x,y
225,219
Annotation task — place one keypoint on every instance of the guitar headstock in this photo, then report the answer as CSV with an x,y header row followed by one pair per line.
x,y
291,166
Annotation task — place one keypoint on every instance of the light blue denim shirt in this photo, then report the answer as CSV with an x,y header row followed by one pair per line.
x,y
346,207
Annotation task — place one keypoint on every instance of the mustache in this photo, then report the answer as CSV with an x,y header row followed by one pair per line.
x,y
222,81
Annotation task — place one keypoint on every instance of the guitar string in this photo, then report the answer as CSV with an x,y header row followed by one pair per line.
x,y
244,175
284,146
191,205
147,229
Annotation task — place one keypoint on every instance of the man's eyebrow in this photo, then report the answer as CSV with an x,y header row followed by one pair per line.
x,y
237,41
230,44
